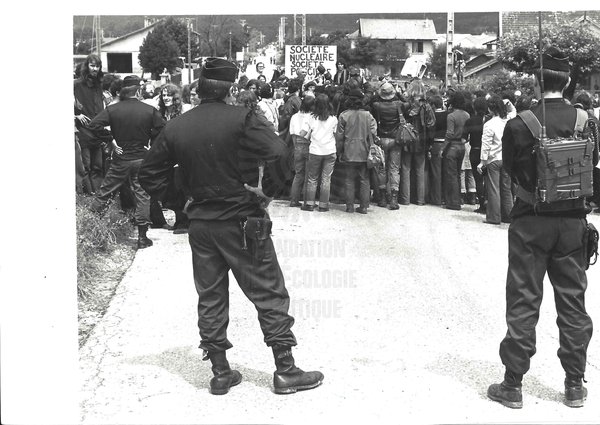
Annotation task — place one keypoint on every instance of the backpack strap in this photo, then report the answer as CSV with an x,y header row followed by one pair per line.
x,y
532,123
534,126
400,114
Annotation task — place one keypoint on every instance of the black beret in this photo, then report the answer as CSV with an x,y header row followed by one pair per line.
x,y
554,59
131,80
219,69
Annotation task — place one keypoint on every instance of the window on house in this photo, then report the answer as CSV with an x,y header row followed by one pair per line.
x,y
119,62
417,47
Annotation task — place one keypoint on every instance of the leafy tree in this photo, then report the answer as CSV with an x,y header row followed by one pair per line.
x,y
82,47
177,30
395,49
518,50
438,61
214,34
316,40
502,81
367,51
159,51
438,57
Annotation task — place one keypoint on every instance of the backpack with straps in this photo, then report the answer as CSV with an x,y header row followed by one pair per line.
x,y
563,165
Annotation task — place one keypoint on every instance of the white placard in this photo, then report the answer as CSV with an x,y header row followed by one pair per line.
x,y
309,57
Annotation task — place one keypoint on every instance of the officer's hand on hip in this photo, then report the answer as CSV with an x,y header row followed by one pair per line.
x,y
264,199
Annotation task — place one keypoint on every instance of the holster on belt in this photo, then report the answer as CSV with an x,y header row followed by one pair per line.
x,y
256,230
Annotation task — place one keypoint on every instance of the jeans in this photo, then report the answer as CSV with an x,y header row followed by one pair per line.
x,y
435,174
453,155
92,157
319,166
124,172
298,190
79,169
499,194
467,181
389,177
360,169
538,245
217,248
408,160
475,158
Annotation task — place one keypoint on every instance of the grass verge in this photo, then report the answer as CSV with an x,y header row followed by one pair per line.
x,y
105,249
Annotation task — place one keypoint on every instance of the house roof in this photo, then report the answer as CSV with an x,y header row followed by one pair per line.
x,y
115,40
398,29
584,19
489,60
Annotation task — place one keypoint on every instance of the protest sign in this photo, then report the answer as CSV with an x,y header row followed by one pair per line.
x,y
309,57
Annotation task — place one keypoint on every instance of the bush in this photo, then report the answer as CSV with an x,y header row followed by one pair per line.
x,y
97,236
502,81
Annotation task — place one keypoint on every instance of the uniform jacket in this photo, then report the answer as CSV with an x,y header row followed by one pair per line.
x,y
133,125
519,162
218,148
356,129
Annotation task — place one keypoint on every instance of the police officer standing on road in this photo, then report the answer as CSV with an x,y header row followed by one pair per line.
x,y
217,147
544,237
134,125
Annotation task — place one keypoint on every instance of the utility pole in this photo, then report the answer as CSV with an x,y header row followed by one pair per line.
x,y
282,32
189,48
301,20
449,49
230,57
97,33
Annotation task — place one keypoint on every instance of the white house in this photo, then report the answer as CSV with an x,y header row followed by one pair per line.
x,y
120,55
473,41
418,34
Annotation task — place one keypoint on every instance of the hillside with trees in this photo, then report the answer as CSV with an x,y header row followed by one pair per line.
x,y
117,26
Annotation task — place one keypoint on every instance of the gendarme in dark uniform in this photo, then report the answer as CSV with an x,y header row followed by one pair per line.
x,y
547,239
134,125
218,148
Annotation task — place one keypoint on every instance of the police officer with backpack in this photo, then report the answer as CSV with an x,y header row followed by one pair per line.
x,y
544,237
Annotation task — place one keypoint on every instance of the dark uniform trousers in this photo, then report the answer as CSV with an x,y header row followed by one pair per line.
x,y
217,248
124,172
540,244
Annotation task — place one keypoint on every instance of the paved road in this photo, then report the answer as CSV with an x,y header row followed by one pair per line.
x,y
402,311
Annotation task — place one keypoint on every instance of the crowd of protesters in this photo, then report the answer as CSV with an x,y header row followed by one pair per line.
x,y
330,122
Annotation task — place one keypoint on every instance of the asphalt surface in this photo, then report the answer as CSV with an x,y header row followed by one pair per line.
x,y
403,312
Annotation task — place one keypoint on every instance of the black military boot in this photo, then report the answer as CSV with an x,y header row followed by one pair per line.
x,y
224,378
575,392
394,201
143,241
383,201
508,392
288,379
